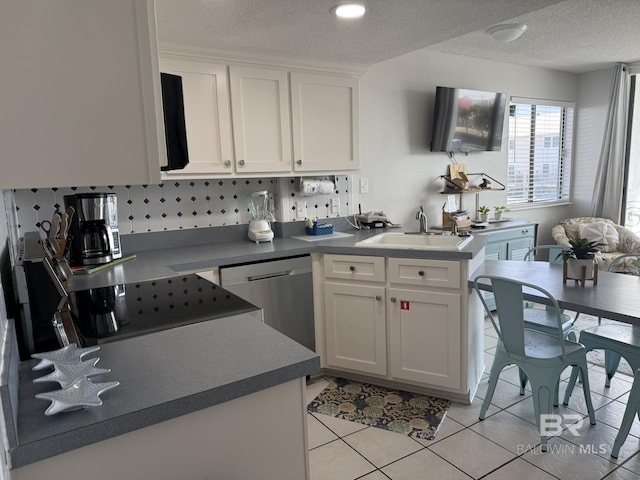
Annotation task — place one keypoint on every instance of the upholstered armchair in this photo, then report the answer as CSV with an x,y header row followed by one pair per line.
x,y
616,239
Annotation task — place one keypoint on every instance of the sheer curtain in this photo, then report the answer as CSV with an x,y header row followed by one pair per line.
x,y
609,185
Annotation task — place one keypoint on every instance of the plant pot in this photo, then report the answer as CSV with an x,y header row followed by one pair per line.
x,y
581,270
497,215
484,217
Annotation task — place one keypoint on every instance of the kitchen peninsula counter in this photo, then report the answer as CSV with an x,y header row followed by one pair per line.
x,y
164,377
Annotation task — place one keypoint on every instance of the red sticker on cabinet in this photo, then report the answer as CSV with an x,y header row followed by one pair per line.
x,y
404,305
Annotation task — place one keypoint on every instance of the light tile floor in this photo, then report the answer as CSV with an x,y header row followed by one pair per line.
x,y
502,447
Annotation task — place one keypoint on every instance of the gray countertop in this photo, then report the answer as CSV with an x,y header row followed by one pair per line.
x,y
165,262
162,376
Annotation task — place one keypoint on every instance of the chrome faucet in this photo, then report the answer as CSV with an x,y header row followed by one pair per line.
x,y
422,219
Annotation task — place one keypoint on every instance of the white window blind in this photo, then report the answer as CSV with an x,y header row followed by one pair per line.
x,y
539,157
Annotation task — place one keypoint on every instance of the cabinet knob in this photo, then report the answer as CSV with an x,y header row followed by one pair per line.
x,y
378,298
299,162
352,268
394,299
227,163
241,163
421,273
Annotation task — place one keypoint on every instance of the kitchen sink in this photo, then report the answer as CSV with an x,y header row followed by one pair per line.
x,y
416,242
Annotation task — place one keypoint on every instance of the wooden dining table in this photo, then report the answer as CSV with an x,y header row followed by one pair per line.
x,y
616,296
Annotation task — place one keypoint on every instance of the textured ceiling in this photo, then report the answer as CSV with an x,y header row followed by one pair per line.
x,y
570,35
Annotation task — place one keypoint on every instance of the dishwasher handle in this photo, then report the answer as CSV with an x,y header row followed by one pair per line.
x,y
265,276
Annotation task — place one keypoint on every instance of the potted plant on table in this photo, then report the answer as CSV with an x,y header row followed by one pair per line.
x,y
579,260
484,213
498,211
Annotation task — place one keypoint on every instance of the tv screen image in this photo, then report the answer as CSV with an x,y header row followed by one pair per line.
x,y
467,120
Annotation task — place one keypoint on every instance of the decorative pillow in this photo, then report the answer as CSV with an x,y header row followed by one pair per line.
x,y
600,232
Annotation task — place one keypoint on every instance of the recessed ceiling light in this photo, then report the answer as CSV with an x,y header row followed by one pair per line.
x,y
349,10
508,32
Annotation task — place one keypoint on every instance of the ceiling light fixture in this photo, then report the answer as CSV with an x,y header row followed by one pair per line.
x,y
508,32
349,10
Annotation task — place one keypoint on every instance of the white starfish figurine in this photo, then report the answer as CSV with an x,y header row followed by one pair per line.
x,y
82,393
68,354
67,373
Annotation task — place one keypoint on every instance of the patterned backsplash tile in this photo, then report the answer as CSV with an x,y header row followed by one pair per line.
x,y
175,205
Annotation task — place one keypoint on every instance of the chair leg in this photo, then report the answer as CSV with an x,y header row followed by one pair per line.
x,y
542,406
571,385
523,380
611,363
632,409
584,376
496,368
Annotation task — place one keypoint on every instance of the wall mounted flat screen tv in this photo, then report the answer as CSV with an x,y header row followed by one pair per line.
x,y
467,120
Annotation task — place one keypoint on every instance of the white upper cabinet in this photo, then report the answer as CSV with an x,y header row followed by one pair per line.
x,y
207,116
324,112
80,98
261,120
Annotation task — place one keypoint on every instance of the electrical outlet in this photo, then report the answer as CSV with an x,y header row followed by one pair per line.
x,y
364,185
301,210
335,205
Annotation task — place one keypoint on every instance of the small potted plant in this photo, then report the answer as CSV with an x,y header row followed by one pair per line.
x,y
484,213
579,260
498,211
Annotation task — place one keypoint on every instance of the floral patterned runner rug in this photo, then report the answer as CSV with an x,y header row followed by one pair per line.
x,y
418,416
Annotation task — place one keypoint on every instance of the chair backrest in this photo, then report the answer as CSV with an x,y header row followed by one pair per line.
x,y
508,296
553,250
622,258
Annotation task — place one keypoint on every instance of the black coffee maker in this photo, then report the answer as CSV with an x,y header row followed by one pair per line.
x,y
92,241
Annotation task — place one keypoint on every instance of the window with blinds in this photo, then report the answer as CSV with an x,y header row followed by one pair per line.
x,y
539,157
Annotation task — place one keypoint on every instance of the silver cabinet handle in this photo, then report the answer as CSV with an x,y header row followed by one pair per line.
x,y
352,268
378,298
241,162
227,163
394,299
299,162
524,232
421,273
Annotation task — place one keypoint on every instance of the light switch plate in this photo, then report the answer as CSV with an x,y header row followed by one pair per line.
x,y
364,185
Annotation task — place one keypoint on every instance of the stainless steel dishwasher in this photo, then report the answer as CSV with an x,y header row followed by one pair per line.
x,y
282,288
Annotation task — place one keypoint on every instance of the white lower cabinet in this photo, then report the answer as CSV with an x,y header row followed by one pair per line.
x,y
356,327
424,337
401,320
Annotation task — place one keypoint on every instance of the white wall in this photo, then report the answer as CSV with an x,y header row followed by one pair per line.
x,y
396,98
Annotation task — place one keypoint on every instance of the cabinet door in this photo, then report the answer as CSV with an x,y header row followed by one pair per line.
x,y
355,327
425,337
324,113
495,251
518,248
80,98
207,116
261,119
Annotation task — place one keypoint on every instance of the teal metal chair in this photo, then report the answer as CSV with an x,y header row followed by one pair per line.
x,y
632,409
544,320
540,356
